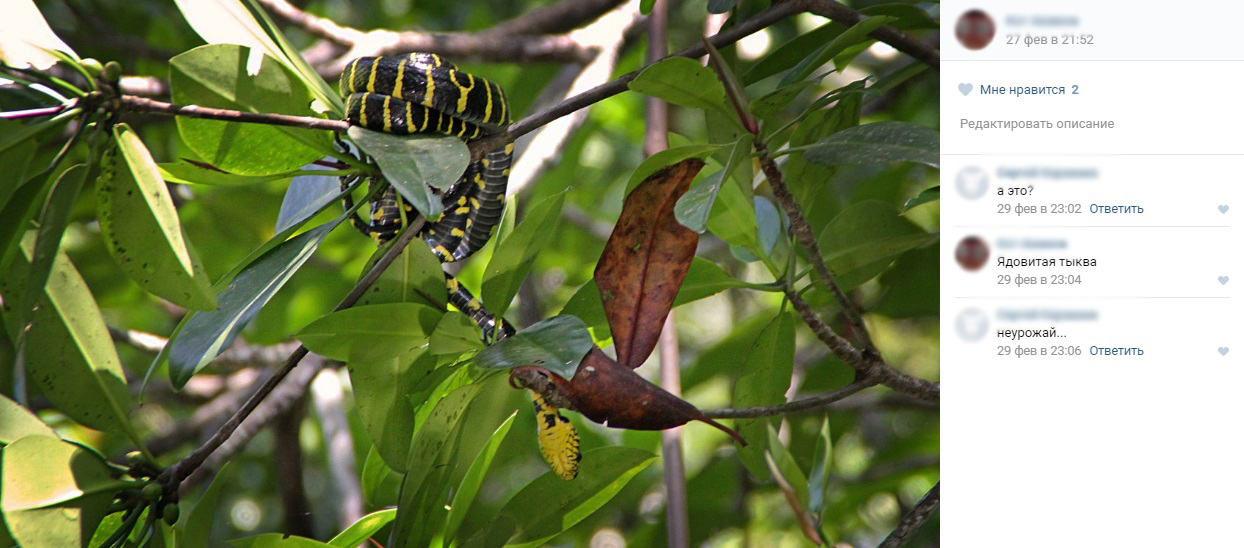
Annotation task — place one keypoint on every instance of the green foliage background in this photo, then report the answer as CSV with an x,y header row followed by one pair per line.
x,y
877,222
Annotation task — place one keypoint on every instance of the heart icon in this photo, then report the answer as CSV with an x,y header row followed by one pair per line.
x,y
965,89
1223,350
1223,208
1223,279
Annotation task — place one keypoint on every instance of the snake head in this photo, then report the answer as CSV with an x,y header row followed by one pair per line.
x,y
549,385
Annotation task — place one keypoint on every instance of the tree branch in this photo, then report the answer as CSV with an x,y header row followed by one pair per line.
x,y
803,233
914,519
133,103
178,472
870,367
765,18
798,406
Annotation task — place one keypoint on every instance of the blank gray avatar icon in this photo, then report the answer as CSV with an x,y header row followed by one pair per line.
x,y
972,182
972,324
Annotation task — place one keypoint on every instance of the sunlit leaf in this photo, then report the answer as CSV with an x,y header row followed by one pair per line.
x,y
141,227
190,174
54,492
361,530
70,356
17,422
667,157
25,35
228,76
850,37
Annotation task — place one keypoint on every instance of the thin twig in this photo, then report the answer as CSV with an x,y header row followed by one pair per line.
x,y
842,14
554,18
798,406
142,104
914,519
870,367
803,233
765,18
184,467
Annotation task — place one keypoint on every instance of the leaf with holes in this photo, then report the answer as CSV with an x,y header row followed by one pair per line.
x,y
142,229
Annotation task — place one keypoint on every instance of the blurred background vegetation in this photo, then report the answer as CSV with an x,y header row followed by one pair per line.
x,y
885,446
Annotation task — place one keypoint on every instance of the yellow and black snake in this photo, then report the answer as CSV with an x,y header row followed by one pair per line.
x,y
423,93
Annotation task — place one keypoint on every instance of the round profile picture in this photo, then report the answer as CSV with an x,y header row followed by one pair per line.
x,y
972,324
974,29
972,182
972,253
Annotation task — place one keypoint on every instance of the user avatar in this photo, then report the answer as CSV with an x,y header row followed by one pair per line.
x,y
975,29
972,325
972,253
972,182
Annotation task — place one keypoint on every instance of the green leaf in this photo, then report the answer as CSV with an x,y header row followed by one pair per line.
x,y
25,36
372,332
645,6
306,196
818,479
693,208
54,493
361,530
791,53
237,78
474,478
16,422
413,162
16,215
856,34
382,390
865,238
231,22
456,334
764,380
667,157
277,540
721,6
374,474
912,285
204,335
557,344
415,276
141,227
785,463
194,530
927,195
190,174
18,159
682,81
513,257
704,279
432,458
733,218
550,505
773,102
69,353
877,143
53,219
